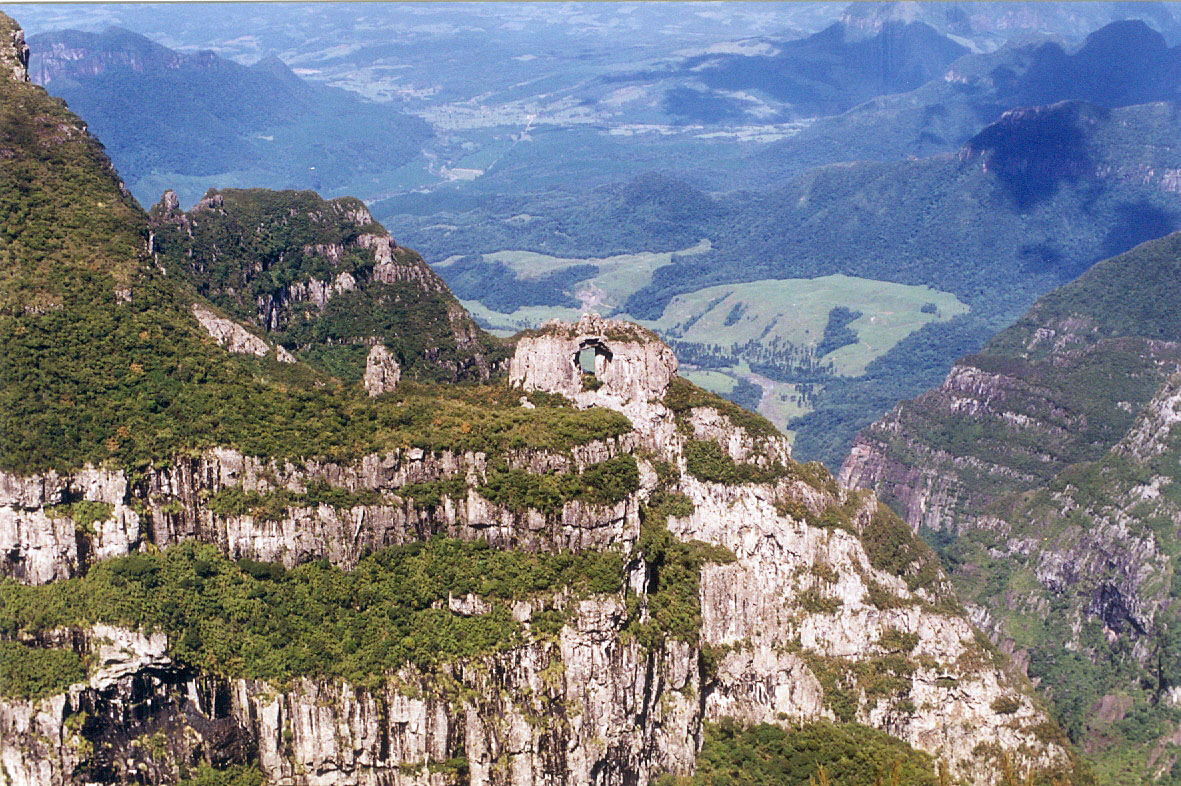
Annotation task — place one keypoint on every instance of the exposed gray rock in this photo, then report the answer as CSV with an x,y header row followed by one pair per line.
x,y
236,338
631,364
14,53
382,371
799,603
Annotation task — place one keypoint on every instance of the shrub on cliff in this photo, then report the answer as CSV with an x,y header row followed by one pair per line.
x,y
256,620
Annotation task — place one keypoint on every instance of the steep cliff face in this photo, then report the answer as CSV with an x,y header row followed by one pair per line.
x,y
1045,467
15,52
576,708
813,603
324,279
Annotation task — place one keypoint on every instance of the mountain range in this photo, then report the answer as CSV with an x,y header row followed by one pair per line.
x,y
1044,469
828,72
188,121
275,508
1122,64
1027,204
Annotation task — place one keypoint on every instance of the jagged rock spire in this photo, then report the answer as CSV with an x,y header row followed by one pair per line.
x,y
14,52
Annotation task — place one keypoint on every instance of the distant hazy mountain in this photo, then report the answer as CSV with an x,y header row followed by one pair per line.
x,y
834,69
189,121
986,24
1122,64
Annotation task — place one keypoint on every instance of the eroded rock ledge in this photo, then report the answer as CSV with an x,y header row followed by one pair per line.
x,y
792,629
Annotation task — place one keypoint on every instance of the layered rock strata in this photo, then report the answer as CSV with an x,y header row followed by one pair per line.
x,y
801,625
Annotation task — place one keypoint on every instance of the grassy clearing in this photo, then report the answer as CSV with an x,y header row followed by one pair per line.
x,y
783,404
617,278
525,318
720,382
768,312
795,311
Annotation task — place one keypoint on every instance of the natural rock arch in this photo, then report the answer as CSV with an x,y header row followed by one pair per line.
x,y
630,363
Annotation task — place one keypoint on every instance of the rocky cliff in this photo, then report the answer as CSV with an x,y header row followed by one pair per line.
x,y
813,604
1045,470
324,279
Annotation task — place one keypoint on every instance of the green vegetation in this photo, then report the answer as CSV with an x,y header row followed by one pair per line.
x,y
274,505
246,250
728,327
723,325
28,672
234,775
1133,294
1006,705
879,678
674,574
1080,367
764,755
939,223
893,548
84,513
499,288
256,620
605,483
430,494
837,332
683,396
509,291
103,363
707,460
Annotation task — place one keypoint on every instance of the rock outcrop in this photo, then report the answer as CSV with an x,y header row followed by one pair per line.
x,y
631,365
806,622
236,338
382,371
14,53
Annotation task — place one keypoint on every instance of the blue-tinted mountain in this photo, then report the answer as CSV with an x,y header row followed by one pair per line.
x,y
835,69
189,121
1123,64
988,25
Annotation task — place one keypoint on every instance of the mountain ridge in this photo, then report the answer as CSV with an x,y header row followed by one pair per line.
x,y
1044,469
806,73
216,122
324,279
1108,69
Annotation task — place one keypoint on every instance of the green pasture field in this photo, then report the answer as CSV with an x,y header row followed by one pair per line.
x,y
795,311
